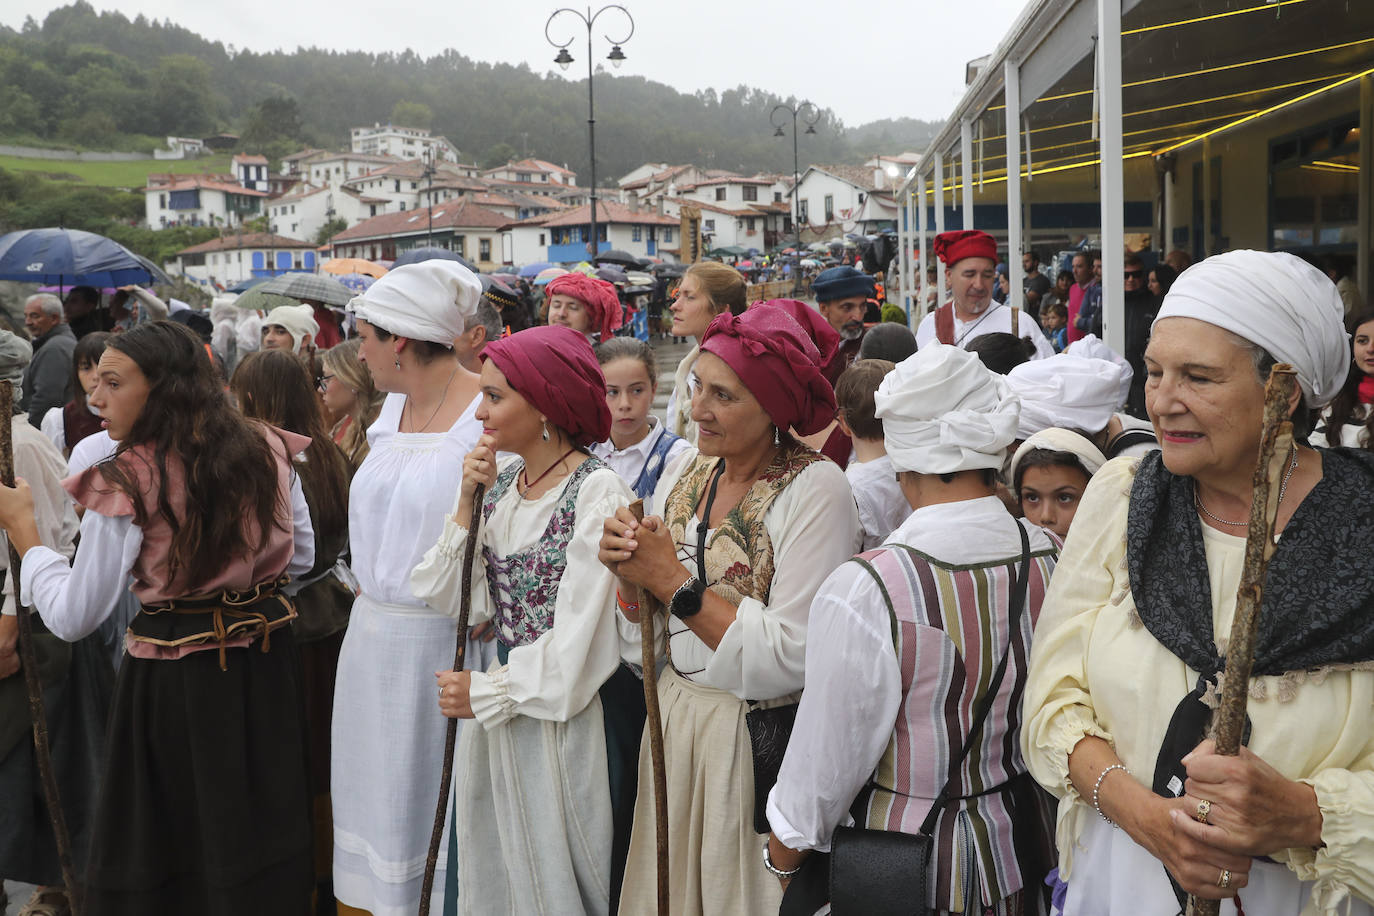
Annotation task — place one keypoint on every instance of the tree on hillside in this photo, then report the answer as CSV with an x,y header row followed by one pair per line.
x,y
273,118
498,154
181,96
412,114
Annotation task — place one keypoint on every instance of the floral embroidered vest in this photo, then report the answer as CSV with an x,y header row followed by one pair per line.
x,y
739,553
524,584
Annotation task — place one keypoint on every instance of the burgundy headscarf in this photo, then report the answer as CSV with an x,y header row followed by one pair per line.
x,y
821,332
596,294
553,368
775,358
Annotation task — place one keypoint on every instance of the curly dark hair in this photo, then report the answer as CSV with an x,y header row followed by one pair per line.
x,y
188,421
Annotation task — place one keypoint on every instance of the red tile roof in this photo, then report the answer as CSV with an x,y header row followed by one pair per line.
x,y
208,182
608,211
460,214
250,159
236,242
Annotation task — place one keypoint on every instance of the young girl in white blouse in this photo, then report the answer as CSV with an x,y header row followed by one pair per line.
x,y
532,782
639,447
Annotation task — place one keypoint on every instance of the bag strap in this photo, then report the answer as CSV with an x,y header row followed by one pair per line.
x,y
944,324
1018,602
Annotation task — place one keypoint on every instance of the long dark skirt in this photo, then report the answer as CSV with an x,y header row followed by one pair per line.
x,y
205,806
77,702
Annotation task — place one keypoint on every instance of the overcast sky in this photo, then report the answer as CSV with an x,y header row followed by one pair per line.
x,y
865,60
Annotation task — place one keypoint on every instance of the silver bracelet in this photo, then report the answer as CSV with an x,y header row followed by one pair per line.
x,y
1097,786
773,869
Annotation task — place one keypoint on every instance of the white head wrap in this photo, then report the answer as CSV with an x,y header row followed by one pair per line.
x,y
1074,392
944,411
299,321
1059,440
431,300
1274,300
249,334
1090,346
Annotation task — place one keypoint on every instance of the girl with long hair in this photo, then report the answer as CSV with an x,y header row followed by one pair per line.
x,y
204,806
1346,422
273,387
706,289
349,394
75,420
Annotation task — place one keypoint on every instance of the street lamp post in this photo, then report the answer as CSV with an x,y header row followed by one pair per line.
x,y
564,59
428,175
809,115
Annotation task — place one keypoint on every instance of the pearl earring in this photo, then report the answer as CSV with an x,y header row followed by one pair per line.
x,y
545,425
775,437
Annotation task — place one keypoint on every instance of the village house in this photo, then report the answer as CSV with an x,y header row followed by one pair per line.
x,y
301,213
334,169
833,200
402,142
562,237
532,172
198,200
250,171
464,227
235,257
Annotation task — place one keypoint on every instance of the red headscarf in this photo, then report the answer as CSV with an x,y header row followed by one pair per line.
x,y
776,360
596,294
822,334
553,368
953,247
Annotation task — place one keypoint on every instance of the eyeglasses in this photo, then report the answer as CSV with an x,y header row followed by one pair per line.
x,y
1134,274
324,382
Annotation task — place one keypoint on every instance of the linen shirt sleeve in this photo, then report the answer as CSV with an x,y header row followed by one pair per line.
x,y
438,580
1058,707
555,676
845,721
1344,863
814,526
74,600
302,532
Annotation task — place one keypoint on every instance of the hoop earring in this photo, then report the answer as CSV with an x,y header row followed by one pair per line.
x,y
545,425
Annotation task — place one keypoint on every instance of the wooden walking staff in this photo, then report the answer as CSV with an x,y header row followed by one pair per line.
x,y
654,724
37,713
451,735
1276,444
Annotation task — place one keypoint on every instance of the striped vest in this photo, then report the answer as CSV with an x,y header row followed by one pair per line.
x,y
949,623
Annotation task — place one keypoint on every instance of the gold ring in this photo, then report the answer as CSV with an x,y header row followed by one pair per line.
x,y
1225,879
1204,808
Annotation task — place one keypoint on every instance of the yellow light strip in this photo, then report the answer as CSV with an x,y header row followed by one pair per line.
x,y
1339,166
1250,9
1205,70
1131,133
1266,111
930,191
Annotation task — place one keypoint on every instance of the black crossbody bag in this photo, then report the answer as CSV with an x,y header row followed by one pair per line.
x,y
887,872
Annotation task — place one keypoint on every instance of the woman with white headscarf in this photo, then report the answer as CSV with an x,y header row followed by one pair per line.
x,y
1145,594
388,740
903,645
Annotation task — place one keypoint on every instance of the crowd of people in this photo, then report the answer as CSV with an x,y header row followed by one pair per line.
x,y
949,589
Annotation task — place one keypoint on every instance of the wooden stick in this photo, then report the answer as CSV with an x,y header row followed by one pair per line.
x,y
1276,443
38,715
648,611
451,735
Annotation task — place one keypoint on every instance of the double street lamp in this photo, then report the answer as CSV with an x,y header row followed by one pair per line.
x,y
808,114
564,59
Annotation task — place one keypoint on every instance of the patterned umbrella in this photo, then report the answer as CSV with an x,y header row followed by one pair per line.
x,y
313,287
533,270
545,276
357,282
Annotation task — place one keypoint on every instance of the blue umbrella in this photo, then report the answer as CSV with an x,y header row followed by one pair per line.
x,y
356,282
70,256
531,270
416,255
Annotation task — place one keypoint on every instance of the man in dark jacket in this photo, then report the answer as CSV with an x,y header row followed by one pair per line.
x,y
47,380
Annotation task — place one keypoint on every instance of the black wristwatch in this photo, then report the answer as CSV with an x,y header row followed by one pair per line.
x,y
686,600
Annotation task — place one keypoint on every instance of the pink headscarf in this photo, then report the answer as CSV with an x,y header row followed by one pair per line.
x,y
553,368
596,294
822,334
777,361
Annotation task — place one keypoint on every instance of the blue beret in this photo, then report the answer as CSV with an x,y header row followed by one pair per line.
x,y
841,283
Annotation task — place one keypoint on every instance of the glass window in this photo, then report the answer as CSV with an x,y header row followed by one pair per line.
x,y
830,208
751,192
720,193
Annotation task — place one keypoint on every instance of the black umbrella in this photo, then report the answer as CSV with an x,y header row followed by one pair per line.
x,y
670,270
416,255
72,257
612,275
616,256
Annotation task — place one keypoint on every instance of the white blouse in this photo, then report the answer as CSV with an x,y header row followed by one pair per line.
x,y
882,507
397,499
554,677
629,462
43,468
814,527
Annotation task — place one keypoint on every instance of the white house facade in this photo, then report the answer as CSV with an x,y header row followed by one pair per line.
x,y
402,142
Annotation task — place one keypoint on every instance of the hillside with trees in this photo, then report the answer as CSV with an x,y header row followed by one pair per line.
x,y
103,81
